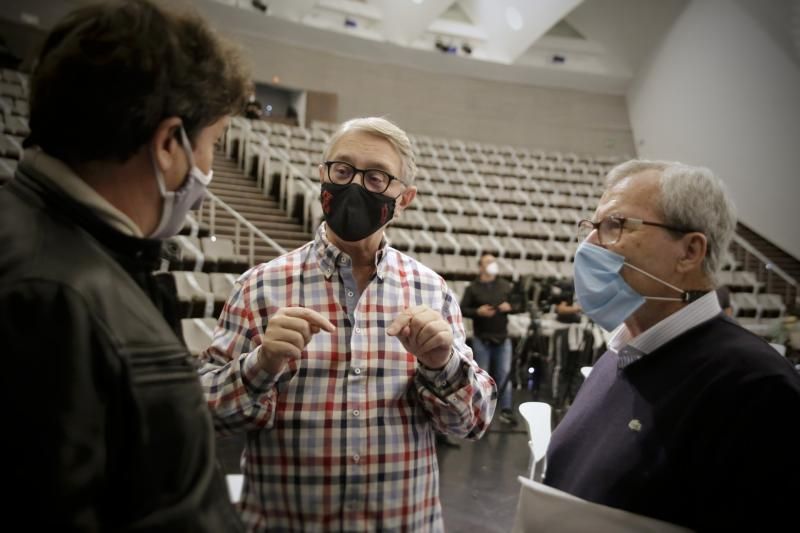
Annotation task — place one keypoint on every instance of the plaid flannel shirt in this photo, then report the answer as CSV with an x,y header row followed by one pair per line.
x,y
343,438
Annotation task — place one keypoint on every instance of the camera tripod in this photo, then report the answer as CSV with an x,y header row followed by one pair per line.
x,y
551,376
529,362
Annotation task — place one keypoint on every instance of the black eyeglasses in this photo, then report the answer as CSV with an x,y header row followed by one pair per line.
x,y
374,180
609,229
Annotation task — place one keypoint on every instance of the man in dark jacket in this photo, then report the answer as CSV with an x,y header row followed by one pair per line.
x,y
107,428
487,302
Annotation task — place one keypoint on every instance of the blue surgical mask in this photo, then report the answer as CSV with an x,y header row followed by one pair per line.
x,y
188,196
601,291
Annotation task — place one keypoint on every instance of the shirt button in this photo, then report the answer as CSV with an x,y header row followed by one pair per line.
x,y
356,412
357,371
358,330
350,294
356,458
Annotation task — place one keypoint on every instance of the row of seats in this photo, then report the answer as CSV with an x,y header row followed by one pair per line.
x,y
14,128
760,305
11,146
205,254
431,209
13,77
16,107
490,149
478,223
474,245
444,159
14,90
201,294
304,147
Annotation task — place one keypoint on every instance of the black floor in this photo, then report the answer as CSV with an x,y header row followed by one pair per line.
x,y
478,480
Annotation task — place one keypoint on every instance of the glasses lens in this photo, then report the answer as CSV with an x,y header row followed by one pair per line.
x,y
376,180
610,230
584,229
340,173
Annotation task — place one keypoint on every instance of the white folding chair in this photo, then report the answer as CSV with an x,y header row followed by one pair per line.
x,y
235,482
780,348
538,417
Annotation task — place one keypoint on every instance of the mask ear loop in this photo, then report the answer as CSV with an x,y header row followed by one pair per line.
x,y
684,294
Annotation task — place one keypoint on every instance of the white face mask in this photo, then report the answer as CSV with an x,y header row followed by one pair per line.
x,y
188,196
492,269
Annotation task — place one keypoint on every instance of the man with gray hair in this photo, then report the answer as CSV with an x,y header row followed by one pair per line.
x,y
343,358
687,418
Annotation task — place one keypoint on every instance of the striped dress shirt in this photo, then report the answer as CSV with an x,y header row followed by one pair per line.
x,y
630,349
343,438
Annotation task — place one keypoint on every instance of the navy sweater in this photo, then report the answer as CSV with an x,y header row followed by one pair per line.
x,y
703,432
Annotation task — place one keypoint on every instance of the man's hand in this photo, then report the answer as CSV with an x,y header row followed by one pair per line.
x,y
289,330
486,311
425,334
504,307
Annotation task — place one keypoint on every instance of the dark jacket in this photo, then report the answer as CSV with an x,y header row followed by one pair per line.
x,y
495,328
106,425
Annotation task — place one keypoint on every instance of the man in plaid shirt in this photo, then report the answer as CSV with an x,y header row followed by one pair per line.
x,y
342,358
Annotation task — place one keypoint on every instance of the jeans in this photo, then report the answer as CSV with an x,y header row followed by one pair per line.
x,y
495,359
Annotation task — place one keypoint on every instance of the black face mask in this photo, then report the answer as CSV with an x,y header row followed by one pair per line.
x,y
352,212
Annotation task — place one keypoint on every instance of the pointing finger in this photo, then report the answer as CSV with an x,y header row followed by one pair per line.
x,y
312,317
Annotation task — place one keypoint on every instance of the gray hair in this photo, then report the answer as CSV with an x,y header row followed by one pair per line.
x,y
691,197
380,127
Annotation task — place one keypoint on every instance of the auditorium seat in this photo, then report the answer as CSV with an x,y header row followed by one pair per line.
x,y
744,304
219,252
221,285
193,293
10,146
770,305
190,254
7,169
197,334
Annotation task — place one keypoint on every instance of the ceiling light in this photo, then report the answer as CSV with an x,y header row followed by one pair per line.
x,y
514,18
418,2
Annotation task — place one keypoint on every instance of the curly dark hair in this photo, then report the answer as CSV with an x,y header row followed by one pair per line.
x,y
109,73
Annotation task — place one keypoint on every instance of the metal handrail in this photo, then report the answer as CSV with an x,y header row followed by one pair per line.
x,y
749,248
240,221
767,265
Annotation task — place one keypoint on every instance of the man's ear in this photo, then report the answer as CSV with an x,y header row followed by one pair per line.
x,y
321,172
165,147
695,247
405,199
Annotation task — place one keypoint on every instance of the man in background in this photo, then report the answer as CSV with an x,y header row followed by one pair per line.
x,y
487,302
109,430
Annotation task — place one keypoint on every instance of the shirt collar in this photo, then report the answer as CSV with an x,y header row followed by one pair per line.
x,y
60,175
630,349
330,257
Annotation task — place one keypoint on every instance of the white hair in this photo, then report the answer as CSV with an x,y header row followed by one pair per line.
x,y
692,198
380,127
